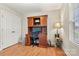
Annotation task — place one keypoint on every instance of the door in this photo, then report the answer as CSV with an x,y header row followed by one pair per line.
x,y
0,33
3,29
9,29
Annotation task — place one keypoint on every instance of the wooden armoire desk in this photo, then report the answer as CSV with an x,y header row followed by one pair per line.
x,y
42,24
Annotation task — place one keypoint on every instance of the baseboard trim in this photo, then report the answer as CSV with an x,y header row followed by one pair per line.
x,y
66,52
10,46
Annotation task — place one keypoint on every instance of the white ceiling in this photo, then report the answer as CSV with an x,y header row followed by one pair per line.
x,y
25,8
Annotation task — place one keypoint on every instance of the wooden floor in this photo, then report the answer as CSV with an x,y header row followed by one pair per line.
x,y
19,50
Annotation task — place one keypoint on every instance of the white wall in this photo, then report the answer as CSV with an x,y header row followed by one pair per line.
x,y
53,16
10,27
24,29
65,16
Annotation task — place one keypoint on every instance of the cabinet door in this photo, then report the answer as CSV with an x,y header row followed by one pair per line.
x,y
30,21
42,40
43,20
27,40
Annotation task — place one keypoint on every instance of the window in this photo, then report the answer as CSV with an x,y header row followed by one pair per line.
x,y
76,20
74,25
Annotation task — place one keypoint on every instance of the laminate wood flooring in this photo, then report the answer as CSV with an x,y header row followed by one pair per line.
x,y
19,50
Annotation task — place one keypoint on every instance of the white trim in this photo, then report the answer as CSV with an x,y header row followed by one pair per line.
x,y
66,51
10,10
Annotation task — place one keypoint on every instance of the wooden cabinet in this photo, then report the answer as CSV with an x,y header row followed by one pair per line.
x,y
43,20
41,23
30,21
27,40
